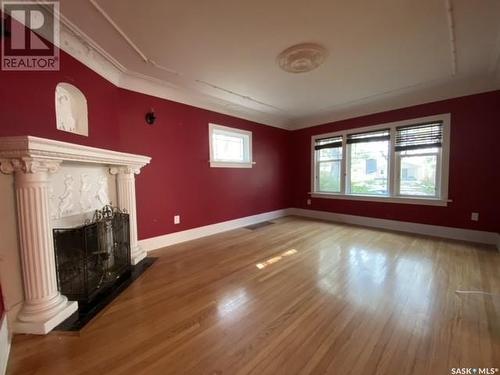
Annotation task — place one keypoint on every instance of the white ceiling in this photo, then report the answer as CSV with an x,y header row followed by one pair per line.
x,y
383,54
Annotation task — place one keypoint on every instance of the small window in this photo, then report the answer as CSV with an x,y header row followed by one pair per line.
x,y
230,147
368,163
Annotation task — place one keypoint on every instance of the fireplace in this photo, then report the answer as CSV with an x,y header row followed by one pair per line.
x,y
91,258
59,185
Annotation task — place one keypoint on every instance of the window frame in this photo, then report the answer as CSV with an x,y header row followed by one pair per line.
x,y
317,166
347,176
393,167
214,163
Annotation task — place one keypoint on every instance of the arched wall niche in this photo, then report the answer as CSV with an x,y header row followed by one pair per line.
x,y
71,109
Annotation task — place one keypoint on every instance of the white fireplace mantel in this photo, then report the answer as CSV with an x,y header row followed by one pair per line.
x,y
33,161
48,149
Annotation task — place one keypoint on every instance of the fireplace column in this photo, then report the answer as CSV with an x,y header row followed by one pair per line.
x,y
125,181
44,307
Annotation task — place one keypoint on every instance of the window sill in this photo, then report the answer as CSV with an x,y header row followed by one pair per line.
x,y
370,198
221,164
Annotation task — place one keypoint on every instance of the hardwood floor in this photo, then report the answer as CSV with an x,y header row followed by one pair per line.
x,y
295,297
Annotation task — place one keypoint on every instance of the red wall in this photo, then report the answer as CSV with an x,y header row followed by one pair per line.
x,y
179,179
474,179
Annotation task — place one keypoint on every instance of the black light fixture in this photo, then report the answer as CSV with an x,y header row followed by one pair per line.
x,y
151,117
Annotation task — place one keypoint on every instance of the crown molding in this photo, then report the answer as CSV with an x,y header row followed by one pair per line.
x,y
81,47
84,49
88,52
400,98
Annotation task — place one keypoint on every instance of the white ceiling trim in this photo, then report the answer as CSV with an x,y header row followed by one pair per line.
x,y
81,47
129,41
119,30
241,96
77,44
397,99
451,29
147,60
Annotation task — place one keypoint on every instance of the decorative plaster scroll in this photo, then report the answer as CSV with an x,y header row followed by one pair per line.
x,y
26,165
124,170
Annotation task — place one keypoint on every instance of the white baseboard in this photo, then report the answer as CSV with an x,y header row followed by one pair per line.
x,y
470,235
154,243
4,344
490,238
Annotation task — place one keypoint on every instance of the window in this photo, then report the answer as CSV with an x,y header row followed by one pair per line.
x,y
329,153
368,163
418,153
229,147
405,161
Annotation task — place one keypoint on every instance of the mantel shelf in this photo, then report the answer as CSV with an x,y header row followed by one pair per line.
x,y
48,149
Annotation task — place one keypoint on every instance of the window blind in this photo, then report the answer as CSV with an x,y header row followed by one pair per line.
x,y
332,142
419,136
375,136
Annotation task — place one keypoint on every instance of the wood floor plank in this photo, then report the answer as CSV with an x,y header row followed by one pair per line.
x,y
296,297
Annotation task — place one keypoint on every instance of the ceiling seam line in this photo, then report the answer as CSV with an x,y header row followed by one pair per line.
x,y
451,31
119,30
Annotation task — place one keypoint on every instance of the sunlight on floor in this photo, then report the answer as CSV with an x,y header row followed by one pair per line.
x,y
275,259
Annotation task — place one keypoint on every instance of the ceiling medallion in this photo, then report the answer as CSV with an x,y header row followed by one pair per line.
x,y
302,58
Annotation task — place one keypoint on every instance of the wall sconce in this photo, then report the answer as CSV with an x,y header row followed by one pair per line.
x,y
151,117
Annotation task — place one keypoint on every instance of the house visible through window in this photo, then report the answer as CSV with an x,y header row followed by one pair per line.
x,y
230,147
405,161
368,163
418,152
329,156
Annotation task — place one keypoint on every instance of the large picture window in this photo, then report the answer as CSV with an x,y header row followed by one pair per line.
x,y
406,162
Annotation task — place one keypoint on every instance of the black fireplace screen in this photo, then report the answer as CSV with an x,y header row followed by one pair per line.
x,y
90,258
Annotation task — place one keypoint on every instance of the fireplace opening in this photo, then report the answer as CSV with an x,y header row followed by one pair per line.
x,y
92,257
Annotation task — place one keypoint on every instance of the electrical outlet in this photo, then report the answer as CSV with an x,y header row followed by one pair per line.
x,y
474,216
177,219
309,202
